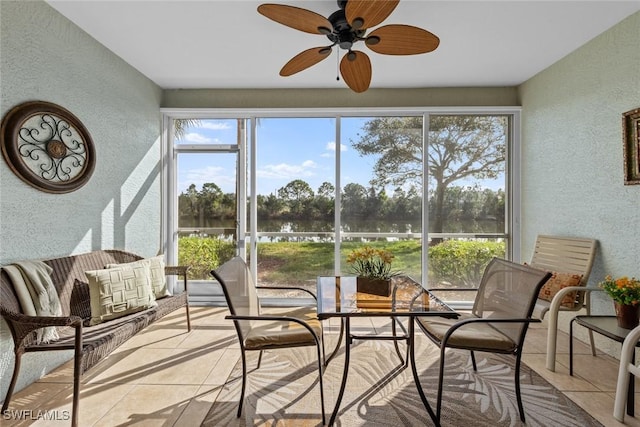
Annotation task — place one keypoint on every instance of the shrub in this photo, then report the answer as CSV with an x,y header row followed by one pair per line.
x,y
204,254
461,263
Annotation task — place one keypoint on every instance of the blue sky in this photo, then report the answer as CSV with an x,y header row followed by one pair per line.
x,y
288,149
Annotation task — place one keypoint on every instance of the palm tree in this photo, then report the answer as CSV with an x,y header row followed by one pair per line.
x,y
180,126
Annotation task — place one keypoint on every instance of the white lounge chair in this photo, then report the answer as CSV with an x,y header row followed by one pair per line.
x,y
564,255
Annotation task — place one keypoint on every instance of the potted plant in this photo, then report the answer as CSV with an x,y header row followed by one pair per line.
x,y
625,293
373,269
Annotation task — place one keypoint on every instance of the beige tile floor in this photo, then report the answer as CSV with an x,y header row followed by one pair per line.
x,y
165,376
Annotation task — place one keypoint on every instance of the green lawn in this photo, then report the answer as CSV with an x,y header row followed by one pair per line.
x,y
298,263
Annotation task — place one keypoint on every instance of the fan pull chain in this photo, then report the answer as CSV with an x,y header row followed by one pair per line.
x,y
338,64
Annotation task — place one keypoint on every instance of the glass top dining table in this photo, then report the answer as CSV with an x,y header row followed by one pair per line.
x,y
338,297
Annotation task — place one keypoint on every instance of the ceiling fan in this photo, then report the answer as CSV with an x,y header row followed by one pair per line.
x,y
346,27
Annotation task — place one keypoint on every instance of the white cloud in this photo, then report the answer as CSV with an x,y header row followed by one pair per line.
x,y
288,172
331,146
223,178
196,138
216,125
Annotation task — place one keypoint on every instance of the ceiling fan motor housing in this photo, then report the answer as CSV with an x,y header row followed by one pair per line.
x,y
344,35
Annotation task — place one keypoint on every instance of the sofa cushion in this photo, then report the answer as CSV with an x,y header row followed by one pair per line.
x,y
264,335
120,290
475,335
158,277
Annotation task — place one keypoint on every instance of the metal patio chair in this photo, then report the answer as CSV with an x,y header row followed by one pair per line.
x,y
257,331
498,321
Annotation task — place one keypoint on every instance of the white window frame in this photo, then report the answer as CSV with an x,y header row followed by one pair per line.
x,y
170,151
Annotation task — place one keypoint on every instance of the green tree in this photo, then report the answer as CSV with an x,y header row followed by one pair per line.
x,y
188,204
210,198
354,198
270,206
325,201
460,146
296,194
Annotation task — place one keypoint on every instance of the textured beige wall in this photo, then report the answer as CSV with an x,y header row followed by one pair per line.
x,y
46,57
572,174
324,98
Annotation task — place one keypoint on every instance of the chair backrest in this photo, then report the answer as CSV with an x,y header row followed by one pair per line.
x,y
508,290
239,290
565,255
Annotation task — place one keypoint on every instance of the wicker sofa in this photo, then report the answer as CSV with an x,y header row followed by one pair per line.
x,y
90,343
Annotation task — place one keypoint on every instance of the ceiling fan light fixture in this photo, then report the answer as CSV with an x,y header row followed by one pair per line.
x,y
324,30
357,23
345,45
351,55
372,40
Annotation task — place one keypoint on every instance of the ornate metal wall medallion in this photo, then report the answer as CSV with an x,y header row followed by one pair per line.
x,y
47,147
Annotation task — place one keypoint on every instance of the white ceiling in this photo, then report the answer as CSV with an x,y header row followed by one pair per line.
x,y
227,44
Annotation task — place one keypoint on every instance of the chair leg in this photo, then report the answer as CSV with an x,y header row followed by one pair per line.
x,y
14,379
591,341
77,373
324,352
244,379
593,344
186,307
518,394
259,360
440,382
473,361
320,372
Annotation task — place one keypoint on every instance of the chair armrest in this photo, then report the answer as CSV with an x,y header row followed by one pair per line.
x,y
21,325
552,329
178,270
494,320
289,288
436,291
557,298
40,321
268,318
460,324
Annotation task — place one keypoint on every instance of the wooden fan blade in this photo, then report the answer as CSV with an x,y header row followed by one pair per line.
x,y
402,40
363,14
304,60
355,68
296,17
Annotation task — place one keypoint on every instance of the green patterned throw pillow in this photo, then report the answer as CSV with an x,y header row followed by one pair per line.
x,y
119,291
158,278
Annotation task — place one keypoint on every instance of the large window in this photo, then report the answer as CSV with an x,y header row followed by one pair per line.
x,y
294,193
381,181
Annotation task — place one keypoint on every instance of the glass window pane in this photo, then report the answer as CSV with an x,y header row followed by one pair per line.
x,y
295,177
206,211
206,131
381,179
466,198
